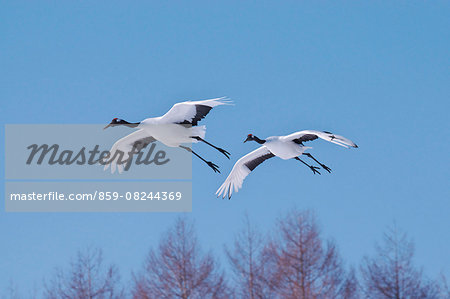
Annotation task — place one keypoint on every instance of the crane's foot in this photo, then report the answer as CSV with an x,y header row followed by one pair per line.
x,y
213,166
227,154
326,168
314,169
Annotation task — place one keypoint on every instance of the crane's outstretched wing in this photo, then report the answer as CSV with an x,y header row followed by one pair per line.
x,y
242,169
309,135
191,112
125,148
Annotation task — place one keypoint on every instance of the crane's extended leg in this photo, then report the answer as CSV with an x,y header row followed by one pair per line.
x,y
210,164
227,154
322,165
313,168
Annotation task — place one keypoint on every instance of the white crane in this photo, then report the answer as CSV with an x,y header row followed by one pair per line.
x,y
284,147
178,126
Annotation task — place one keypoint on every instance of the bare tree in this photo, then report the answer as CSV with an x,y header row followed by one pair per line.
x,y
86,278
444,288
391,273
248,263
12,291
304,267
350,288
178,269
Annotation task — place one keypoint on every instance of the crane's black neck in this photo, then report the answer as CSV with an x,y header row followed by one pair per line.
x,y
258,140
127,124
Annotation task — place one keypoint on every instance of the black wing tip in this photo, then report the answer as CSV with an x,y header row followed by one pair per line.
x,y
223,196
304,138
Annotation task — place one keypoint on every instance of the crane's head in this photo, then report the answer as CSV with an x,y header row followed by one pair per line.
x,y
115,122
250,137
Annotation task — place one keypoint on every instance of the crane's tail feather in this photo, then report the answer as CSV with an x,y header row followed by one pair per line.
x,y
199,131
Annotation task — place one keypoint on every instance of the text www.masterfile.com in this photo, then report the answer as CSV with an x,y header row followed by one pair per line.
x,y
97,195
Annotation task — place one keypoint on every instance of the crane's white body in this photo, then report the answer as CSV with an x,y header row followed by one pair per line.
x,y
173,129
167,128
284,147
173,135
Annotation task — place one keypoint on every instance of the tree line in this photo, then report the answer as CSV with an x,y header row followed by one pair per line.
x,y
294,261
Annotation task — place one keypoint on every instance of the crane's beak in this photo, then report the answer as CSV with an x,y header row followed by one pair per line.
x,y
246,140
109,125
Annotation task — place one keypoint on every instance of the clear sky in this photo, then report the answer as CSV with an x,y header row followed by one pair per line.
x,y
377,73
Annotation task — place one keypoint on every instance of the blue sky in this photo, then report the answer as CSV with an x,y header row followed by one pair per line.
x,y
376,73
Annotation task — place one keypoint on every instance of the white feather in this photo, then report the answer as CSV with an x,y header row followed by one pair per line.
x,y
187,110
336,139
124,145
239,172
